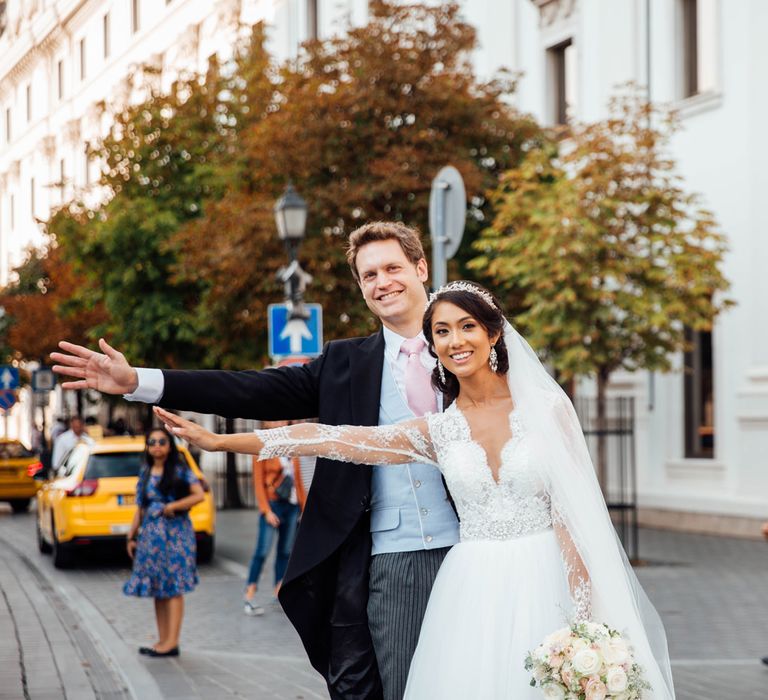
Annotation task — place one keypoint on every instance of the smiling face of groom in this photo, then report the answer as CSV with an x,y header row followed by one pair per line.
x,y
391,272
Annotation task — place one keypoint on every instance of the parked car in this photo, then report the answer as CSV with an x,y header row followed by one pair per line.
x,y
91,499
18,467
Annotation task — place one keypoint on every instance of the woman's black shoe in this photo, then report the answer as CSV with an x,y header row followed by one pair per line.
x,y
145,650
154,653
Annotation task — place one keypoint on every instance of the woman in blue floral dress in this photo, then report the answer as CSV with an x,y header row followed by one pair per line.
x,y
161,539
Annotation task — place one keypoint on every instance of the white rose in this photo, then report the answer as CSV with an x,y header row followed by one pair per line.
x,y
575,647
616,679
553,691
615,651
559,638
587,662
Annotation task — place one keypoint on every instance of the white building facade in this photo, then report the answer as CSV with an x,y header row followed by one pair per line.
x,y
702,441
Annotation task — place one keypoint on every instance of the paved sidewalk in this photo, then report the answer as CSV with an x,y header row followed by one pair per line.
x,y
44,651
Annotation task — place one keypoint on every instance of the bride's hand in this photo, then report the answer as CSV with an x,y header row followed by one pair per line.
x,y
191,432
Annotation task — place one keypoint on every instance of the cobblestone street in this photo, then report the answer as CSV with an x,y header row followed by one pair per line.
x,y
709,591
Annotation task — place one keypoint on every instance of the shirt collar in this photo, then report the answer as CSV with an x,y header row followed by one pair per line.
x,y
393,342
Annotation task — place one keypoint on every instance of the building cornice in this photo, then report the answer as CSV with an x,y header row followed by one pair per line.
x,y
37,33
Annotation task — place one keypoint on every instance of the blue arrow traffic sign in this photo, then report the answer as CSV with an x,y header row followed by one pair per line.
x,y
7,398
295,336
9,377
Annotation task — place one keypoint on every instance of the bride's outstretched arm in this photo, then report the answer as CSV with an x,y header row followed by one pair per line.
x,y
391,444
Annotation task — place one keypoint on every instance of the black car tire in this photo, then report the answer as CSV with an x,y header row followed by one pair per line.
x,y
205,546
62,553
42,544
19,505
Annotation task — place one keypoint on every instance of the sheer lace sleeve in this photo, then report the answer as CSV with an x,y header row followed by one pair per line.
x,y
387,444
575,569
578,576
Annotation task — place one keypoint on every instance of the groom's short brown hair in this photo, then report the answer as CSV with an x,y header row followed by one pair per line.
x,y
408,238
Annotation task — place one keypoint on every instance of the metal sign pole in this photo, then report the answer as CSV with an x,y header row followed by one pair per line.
x,y
447,215
439,239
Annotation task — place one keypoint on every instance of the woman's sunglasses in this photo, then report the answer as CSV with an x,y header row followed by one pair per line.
x,y
157,441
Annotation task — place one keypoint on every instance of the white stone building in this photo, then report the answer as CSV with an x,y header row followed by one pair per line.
x,y
702,444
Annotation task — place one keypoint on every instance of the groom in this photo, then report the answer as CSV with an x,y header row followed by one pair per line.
x,y
371,538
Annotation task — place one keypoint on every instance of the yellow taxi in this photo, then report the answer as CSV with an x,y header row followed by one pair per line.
x,y
18,467
92,497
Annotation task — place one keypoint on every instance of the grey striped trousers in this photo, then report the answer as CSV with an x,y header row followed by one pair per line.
x,y
400,583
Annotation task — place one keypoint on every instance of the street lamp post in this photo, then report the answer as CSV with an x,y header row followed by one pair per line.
x,y
291,220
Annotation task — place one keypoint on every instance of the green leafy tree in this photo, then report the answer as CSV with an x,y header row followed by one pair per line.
x,y
610,258
360,123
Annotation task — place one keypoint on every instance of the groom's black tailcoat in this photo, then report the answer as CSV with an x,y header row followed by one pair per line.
x,y
325,589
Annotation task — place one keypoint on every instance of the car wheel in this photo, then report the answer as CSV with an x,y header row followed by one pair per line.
x,y
62,553
205,547
42,545
19,505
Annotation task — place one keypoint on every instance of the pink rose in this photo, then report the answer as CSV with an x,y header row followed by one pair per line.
x,y
556,660
595,689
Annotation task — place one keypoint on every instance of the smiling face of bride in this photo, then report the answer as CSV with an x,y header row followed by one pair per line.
x,y
461,342
461,325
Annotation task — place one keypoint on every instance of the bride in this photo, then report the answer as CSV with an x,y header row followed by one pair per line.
x,y
537,546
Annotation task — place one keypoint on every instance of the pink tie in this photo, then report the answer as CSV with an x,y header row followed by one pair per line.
x,y
418,387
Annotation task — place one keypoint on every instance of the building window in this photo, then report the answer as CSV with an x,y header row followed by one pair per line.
x,y
698,46
105,28
32,197
699,395
82,59
12,212
135,18
562,81
28,95
60,79
312,25
8,125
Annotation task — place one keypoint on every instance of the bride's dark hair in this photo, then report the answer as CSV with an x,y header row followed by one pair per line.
x,y
476,304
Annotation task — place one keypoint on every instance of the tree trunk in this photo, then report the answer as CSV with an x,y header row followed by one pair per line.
x,y
232,489
602,426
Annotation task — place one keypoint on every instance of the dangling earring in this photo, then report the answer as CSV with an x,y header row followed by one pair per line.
x,y
441,372
493,360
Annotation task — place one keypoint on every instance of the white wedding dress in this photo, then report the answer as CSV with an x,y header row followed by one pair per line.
x,y
505,585
537,547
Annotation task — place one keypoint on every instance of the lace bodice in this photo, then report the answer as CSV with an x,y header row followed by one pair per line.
x,y
516,505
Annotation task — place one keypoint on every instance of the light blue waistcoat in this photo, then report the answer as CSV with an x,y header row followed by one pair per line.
x,y
410,509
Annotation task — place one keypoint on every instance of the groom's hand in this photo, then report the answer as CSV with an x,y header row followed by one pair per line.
x,y
107,371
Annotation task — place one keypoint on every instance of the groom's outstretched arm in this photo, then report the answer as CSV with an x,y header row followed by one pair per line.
x,y
281,393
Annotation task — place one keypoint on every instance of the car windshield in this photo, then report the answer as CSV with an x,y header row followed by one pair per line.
x,y
116,464
113,465
13,450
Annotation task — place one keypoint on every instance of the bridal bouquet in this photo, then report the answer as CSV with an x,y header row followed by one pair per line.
x,y
586,661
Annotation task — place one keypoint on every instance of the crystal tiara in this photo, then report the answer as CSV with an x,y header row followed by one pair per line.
x,y
460,286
